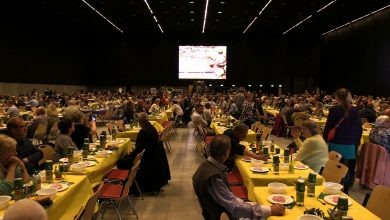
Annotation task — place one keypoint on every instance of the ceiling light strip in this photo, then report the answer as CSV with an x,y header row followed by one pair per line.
x,y
102,16
261,11
357,19
154,16
326,6
297,24
205,15
250,24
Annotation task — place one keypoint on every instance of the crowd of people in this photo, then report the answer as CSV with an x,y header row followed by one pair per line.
x,y
76,116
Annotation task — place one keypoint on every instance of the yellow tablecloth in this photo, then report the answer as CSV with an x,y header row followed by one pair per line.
x,y
250,137
96,173
357,211
252,179
133,133
68,203
160,118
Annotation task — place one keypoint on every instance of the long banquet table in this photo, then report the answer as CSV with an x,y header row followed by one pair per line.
x,y
132,134
357,211
218,129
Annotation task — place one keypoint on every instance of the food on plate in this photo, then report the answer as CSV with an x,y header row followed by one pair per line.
x,y
335,199
57,186
280,199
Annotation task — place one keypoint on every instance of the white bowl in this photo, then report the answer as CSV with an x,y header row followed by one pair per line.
x,y
256,163
332,188
78,167
47,192
4,201
101,154
277,188
283,166
309,217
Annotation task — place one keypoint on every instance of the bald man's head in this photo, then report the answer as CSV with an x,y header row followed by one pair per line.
x,y
25,209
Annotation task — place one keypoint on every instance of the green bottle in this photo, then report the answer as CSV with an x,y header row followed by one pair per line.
x,y
85,148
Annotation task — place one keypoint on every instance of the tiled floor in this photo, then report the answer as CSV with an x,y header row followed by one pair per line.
x,y
178,200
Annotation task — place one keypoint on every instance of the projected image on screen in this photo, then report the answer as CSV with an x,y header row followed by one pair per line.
x,y
202,62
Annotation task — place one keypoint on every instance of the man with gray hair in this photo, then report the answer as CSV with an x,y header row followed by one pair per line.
x,y
237,134
211,187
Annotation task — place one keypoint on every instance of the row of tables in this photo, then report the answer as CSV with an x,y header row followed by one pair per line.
x,y
68,203
258,191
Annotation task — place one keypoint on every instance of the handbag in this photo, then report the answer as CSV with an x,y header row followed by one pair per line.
x,y
332,132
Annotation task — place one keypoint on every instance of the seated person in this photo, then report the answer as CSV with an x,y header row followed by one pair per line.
x,y
197,116
207,113
40,119
154,168
25,209
155,106
313,151
176,109
27,152
12,110
380,134
64,139
11,166
52,116
81,131
237,134
212,189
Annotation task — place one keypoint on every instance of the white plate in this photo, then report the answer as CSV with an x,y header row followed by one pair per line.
x,y
64,160
288,199
329,199
89,163
109,151
58,186
259,169
301,167
246,159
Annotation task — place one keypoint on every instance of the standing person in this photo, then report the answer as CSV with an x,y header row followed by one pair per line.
x,y
212,189
248,111
348,133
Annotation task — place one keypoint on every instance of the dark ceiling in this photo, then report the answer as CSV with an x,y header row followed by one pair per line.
x,y
74,17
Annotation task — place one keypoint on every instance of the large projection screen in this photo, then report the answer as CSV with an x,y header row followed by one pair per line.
x,y
202,62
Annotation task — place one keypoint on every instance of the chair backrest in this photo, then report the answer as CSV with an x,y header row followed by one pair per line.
x,y
121,126
54,131
257,127
334,171
265,133
89,209
333,155
109,128
201,131
40,132
48,152
131,177
224,216
139,156
379,202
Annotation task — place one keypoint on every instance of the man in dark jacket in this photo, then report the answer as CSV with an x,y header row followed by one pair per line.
x,y
27,152
154,170
212,190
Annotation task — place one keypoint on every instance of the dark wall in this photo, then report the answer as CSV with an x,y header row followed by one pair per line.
x,y
358,56
153,60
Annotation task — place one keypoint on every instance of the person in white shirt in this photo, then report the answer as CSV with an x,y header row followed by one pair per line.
x,y
176,109
197,117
